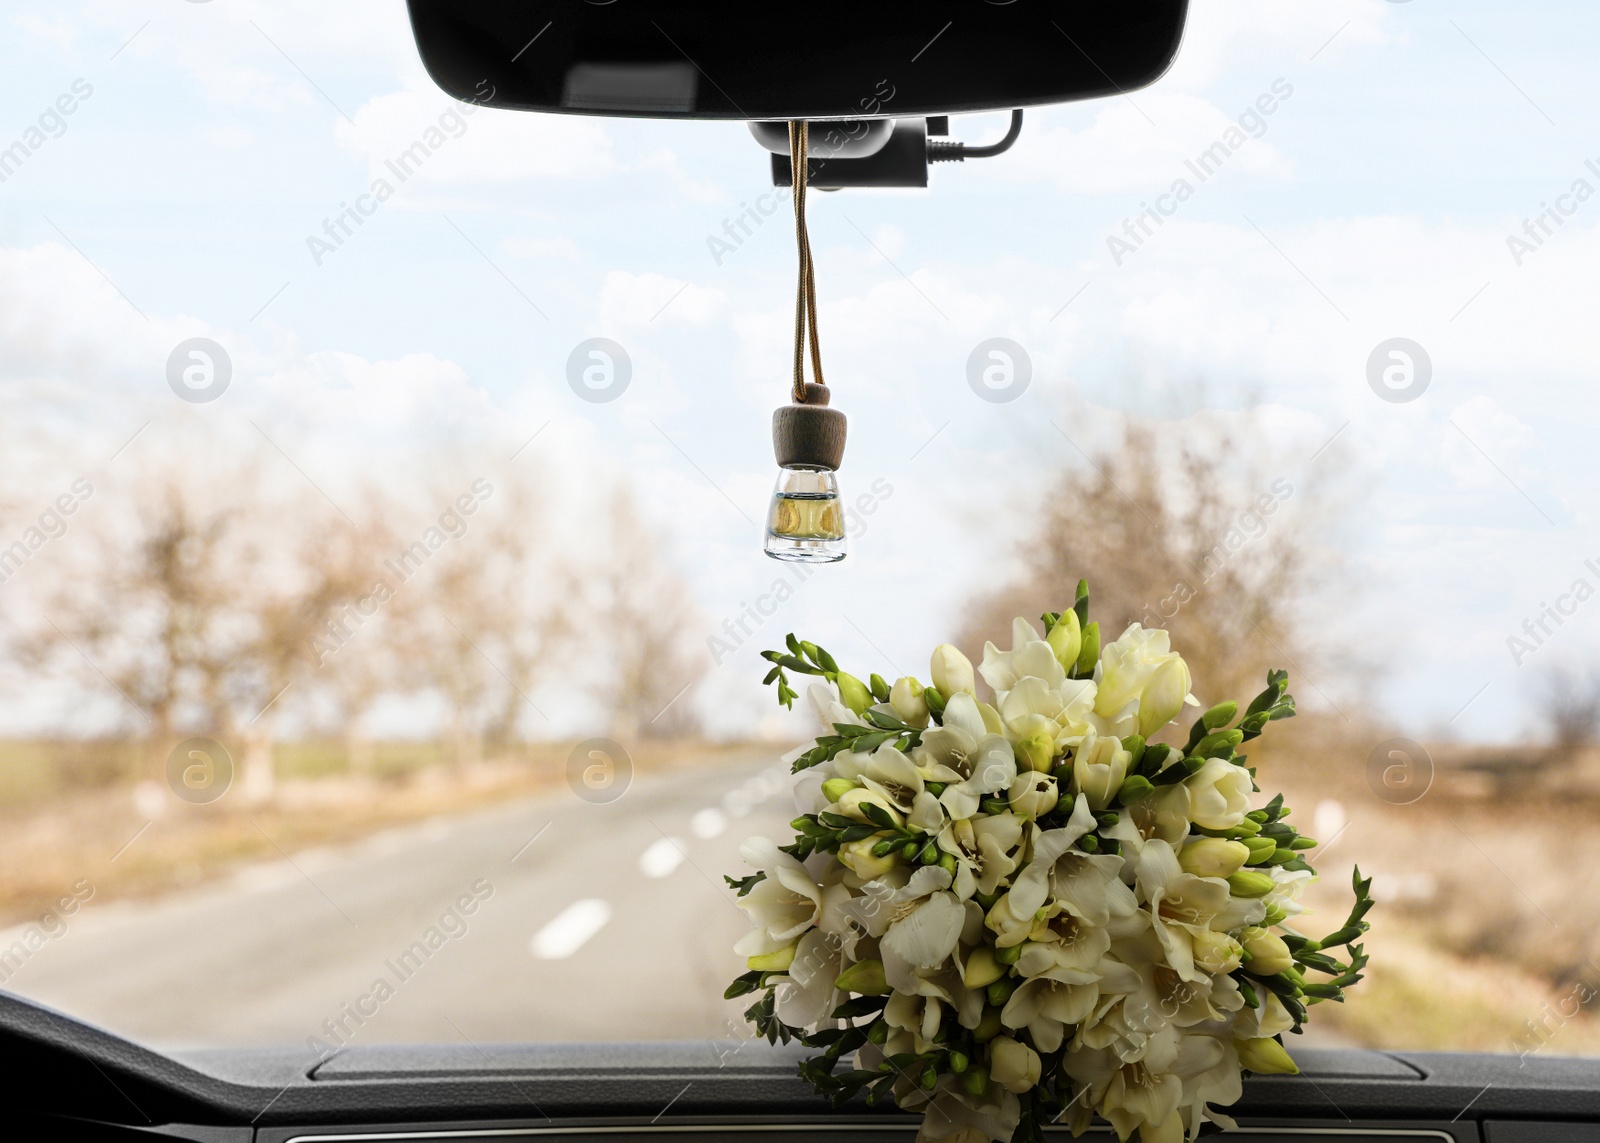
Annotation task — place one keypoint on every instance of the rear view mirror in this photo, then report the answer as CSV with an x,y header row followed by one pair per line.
x,y
714,59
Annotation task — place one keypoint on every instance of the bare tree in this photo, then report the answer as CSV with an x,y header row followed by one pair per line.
x,y
483,628
305,588
1569,700
644,615
157,616
1187,526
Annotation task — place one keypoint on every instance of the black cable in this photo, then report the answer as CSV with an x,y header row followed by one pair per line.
x,y
949,151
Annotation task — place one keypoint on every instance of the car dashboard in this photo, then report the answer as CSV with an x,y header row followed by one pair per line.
x,y
71,1080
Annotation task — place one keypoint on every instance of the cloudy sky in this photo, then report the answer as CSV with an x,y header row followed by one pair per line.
x,y
187,194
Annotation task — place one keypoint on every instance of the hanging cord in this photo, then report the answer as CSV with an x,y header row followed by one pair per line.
x,y
805,307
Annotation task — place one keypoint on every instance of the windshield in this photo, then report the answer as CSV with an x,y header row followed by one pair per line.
x,y
383,477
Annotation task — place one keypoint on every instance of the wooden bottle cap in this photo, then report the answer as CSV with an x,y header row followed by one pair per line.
x,y
809,434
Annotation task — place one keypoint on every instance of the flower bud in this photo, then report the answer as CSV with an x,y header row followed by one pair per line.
x,y
982,968
1033,795
1035,751
850,806
1219,715
1066,639
1000,991
975,1080
1098,767
1134,789
1163,696
906,698
1089,650
878,687
853,692
959,1061
1248,883
1013,1065
1265,1056
952,671
836,788
1268,954
1217,953
773,961
858,858
989,1026
865,978
1260,848
1213,857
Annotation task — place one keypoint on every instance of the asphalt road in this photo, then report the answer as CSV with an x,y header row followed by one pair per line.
x,y
592,922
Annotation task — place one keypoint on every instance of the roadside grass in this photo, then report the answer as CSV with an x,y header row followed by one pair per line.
x,y
52,837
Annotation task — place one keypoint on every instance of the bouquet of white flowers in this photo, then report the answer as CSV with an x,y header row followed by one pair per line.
x,y
1026,911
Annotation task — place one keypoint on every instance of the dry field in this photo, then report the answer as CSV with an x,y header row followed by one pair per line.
x,y
130,841
1486,935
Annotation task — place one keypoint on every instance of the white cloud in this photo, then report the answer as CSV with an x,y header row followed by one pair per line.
x,y
558,247
1146,142
642,299
419,132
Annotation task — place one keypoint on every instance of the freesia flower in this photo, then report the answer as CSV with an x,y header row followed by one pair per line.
x,y
1010,929
858,858
1181,904
1268,955
1213,857
1219,794
963,754
783,905
909,705
984,849
829,707
1030,657
1141,680
887,772
1013,1065
1099,764
1048,1004
1287,885
1033,794
952,672
1131,1095
1270,1019
807,994
1087,885
919,923
953,1116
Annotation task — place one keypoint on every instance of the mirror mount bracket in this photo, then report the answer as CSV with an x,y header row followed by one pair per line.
x,y
901,160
